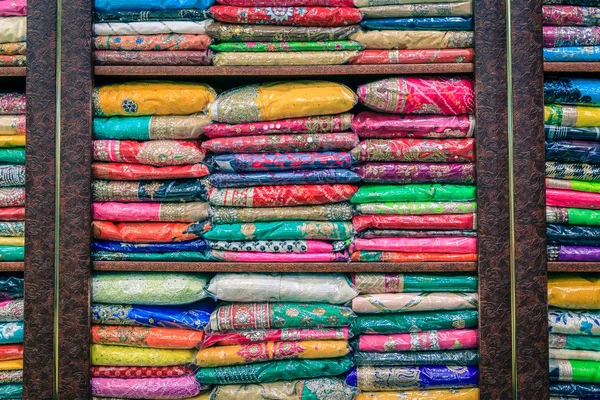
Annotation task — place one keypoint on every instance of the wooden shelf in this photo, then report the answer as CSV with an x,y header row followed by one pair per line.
x,y
12,266
285,70
572,66
13,71
284,267
558,266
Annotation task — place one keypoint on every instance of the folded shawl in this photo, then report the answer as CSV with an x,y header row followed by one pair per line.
x,y
278,47
134,172
283,230
223,32
186,212
573,253
147,15
430,56
149,232
13,29
572,54
277,335
574,292
420,23
301,177
577,151
151,5
375,125
579,171
568,133
399,257
141,372
151,127
573,116
416,150
439,222
572,322
151,27
396,9
169,191
328,212
417,208
571,15
413,192
295,58
572,216
122,356
385,303
415,322
283,143
152,43
440,394
278,161
147,388
570,36
392,172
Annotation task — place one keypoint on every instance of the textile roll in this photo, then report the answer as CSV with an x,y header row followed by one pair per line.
x,y
288,3
572,234
575,371
329,212
572,216
167,212
368,57
276,335
398,283
571,15
297,389
573,342
151,27
424,377
139,356
284,230
319,288
413,192
281,196
572,90
573,199
12,175
574,292
274,371
260,352
189,256
222,32
569,36
12,103
419,24
11,310
156,152
296,16
570,322
280,100
374,125
417,321
277,47
572,54
11,352
310,125
415,358
573,253
414,95
13,8
585,390
579,171
277,161
134,172
580,186
417,208
414,40
137,336
412,302
171,191
451,339
455,8
155,43
141,372
442,394
568,133
398,257
582,355
416,172
249,316
573,151
203,57
301,177
147,388
11,332
147,15
192,316
148,232
193,245
12,156
151,98
150,5
416,150
13,29
12,124
572,116
160,288
12,214
283,143
376,233
19,48
441,222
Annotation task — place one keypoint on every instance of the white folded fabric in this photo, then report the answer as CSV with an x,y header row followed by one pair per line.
x,y
151,27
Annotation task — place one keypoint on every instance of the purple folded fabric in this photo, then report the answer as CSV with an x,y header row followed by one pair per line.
x,y
573,253
147,388
416,172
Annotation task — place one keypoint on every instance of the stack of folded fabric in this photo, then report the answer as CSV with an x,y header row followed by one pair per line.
x,y
282,180
11,337
153,32
417,332
574,329
571,30
146,329
13,33
572,117
149,201
278,336
418,200
12,176
288,32
415,31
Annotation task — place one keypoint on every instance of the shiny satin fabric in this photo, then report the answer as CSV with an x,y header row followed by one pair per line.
x,y
299,177
199,245
127,356
572,54
151,5
580,186
157,43
417,321
568,133
283,143
573,234
423,377
294,16
141,372
393,172
398,283
158,153
579,355
327,212
150,27
447,358
399,257
375,125
578,171
278,161
385,303
367,57
189,256
278,335
413,192
573,342
138,336
309,389
13,29
579,292
572,199
585,390
283,230
441,394
147,15
413,40
135,172
572,91
181,190
572,216
571,15
450,339
576,151
417,208
377,233
147,388
156,212
439,222
573,116
149,232
414,245
573,253
422,9
420,23
416,150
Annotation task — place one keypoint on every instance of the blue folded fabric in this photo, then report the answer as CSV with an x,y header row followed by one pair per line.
x,y
576,151
588,391
422,377
151,5
419,24
190,256
572,54
572,91
573,234
193,245
11,287
568,133
302,177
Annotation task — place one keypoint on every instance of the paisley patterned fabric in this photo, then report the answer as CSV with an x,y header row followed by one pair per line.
x,y
424,377
155,43
285,230
277,335
150,191
310,389
392,172
296,16
223,32
283,143
158,152
277,47
301,177
281,196
148,232
416,150
328,212
451,339
137,336
398,283
374,125
147,388
278,161
125,172
433,9
416,358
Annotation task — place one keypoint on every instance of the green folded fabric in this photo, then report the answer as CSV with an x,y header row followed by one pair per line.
x,y
418,208
379,282
414,192
572,216
12,253
415,321
11,391
574,342
13,156
335,45
575,371
282,230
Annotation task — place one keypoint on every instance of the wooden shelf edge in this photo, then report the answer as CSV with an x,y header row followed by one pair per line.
x,y
13,71
284,70
12,266
560,266
572,67
284,267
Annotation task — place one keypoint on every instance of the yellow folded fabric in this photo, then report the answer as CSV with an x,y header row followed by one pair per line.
x,y
414,40
12,125
12,141
454,394
574,292
296,58
260,352
152,98
573,116
13,29
125,356
12,241
11,364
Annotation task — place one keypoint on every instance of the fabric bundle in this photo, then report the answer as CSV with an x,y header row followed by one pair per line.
x,y
11,336
151,33
272,32
146,329
416,332
13,33
572,168
150,202
417,165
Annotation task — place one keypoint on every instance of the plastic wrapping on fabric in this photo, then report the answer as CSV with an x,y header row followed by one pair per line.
x,y
413,192
127,356
201,57
147,15
569,36
274,371
417,208
417,95
12,196
283,143
400,9
573,2
150,5
12,124
189,256
11,391
249,316
574,292
573,342
579,171
441,394
580,371
441,222
280,196
413,40
419,24
278,47
191,316
141,98
14,376
11,332
19,48
287,3
13,8
571,322
142,372
571,116
368,57
11,102
151,127
573,151
254,287
328,212
300,177
570,15
12,214
150,191
423,377
175,42
280,335
149,232
281,100
572,54
13,61
572,90
12,229
169,212
137,336
11,352
10,365
147,388
583,355
572,199
12,175
585,390
448,358
397,283
568,133
11,287
385,303
223,32
12,241
573,253
151,27
13,141
158,153
134,172
573,234
416,150
399,257
284,230
374,125
274,59
199,245
157,288
572,216
376,233
296,16
416,172
13,29
308,125
580,186
279,161
451,339
242,354
12,156
12,310
310,389
415,322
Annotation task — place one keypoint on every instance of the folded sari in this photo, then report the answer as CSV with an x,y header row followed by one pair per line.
x,y
12,310
585,390
139,356
583,355
147,388
241,354
572,216
269,33
570,322
12,196
448,358
274,371
573,342
309,389
573,2
190,316
150,5
12,124
572,90
277,335
193,245
377,233
287,3
573,151
12,175
137,336
12,214
451,339
11,102
147,15
295,58
277,161
416,150
202,57
423,377
573,116
13,376
149,232
570,36
574,292
163,212
151,98
280,100
128,172
301,177
572,54
414,40
385,303
415,322
419,24
280,196
11,391
573,234
295,16
330,212
151,288
141,372
417,208
250,316
413,192
12,253
189,256
13,61
11,352
277,47
14,141
391,9
572,199
392,172
151,127
13,8
12,229
12,49
154,43
397,283
169,191
399,257
431,56
580,186
156,152
282,143
582,172
13,29
573,253
12,241
568,133
571,15
12,156
284,230
11,287
150,27
441,394
10,365
11,332
440,222
375,125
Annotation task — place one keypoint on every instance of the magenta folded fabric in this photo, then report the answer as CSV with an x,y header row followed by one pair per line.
x,y
243,256
154,212
13,8
573,199
147,388
459,245
416,172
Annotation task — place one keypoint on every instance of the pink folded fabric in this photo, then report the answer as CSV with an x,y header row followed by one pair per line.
x,y
456,245
147,388
429,222
243,256
451,339
13,8
572,198
166,212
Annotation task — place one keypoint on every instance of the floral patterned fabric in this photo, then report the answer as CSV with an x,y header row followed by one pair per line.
x,y
147,388
170,191
433,222
414,56
278,161
450,339
137,336
167,212
571,15
440,394
203,57
310,389
134,172
278,335
148,232
12,125
284,230
13,49
424,377
392,172
417,321
296,16
12,103
414,40
568,36
283,143
139,356
432,9
157,152
147,15
329,212
263,47
416,150
301,177
223,32
150,27
452,358
157,42
151,127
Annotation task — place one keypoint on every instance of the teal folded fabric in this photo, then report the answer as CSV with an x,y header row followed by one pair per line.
x,y
11,332
284,230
